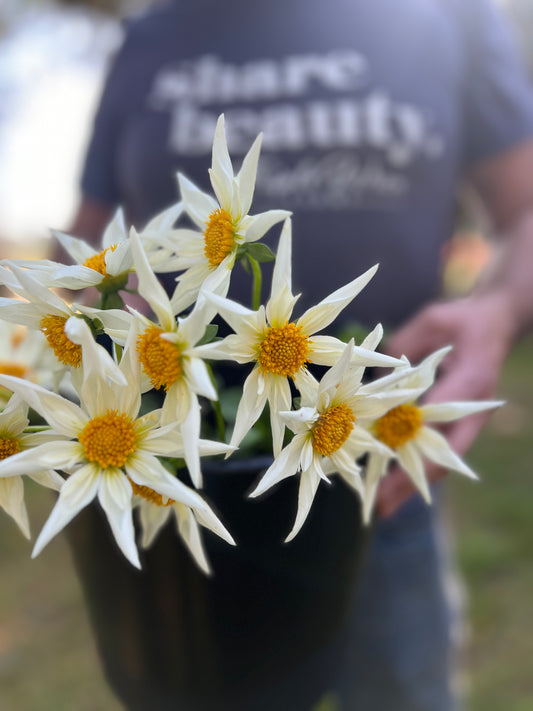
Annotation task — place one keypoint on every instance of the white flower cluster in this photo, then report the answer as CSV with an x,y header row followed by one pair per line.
x,y
102,442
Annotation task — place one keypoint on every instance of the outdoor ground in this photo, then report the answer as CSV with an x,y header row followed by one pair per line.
x,y
48,661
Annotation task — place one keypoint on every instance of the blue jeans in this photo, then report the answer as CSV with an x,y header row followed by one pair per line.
x,y
402,652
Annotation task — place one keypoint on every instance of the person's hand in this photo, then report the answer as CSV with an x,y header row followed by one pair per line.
x,y
480,329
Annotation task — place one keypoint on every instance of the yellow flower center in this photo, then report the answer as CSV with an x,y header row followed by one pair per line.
x,y
97,261
332,429
18,336
399,425
8,446
283,350
160,359
109,439
150,495
219,237
16,369
66,352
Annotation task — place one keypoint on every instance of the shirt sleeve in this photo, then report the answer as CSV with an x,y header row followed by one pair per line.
x,y
498,99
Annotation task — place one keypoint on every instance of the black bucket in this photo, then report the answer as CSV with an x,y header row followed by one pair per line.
x,y
264,632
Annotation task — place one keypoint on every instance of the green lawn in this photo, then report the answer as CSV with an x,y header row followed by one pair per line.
x,y
495,543
47,657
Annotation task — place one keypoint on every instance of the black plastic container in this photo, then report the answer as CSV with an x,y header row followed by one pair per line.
x,y
264,632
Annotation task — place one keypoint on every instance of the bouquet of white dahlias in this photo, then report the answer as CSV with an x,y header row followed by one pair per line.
x,y
98,430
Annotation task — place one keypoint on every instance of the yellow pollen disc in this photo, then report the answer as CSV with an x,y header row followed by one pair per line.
x,y
97,261
283,350
66,352
18,336
150,495
108,440
160,359
332,429
399,425
8,446
219,237
16,369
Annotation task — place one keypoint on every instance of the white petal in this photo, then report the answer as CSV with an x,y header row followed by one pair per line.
x,y
153,517
115,230
78,249
115,496
318,317
164,220
77,491
190,532
221,172
449,411
375,470
150,287
309,482
250,407
279,400
199,379
436,448
62,415
258,225
285,464
191,436
282,273
120,260
198,204
411,461
12,501
146,470
247,175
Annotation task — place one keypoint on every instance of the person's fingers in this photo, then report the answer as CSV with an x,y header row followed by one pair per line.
x,y
421,335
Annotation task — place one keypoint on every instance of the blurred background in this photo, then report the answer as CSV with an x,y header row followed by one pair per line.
x,y
53,57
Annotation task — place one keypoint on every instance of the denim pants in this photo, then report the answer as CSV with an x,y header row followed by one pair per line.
x,y
404,639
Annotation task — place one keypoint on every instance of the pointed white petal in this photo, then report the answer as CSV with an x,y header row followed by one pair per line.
x,y
190,532
12,501
77,491
375,470
449,411
411,461
285,464
63,415
145,470
221,172
153,517
309,481
279,400
436,448
251,405
115,496
247,174
164,220
198,204
318,317
258,225
150,287
115,231
78,249
191,436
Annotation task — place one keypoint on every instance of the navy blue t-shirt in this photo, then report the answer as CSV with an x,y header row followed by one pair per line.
x,y
371,113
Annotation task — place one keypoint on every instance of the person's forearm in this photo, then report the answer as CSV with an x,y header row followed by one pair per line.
x,y
509,279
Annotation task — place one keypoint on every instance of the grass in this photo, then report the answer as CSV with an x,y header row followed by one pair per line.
x,y
494,544
47,657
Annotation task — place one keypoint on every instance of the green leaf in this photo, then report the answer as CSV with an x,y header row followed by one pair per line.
x,y
261,252
209,335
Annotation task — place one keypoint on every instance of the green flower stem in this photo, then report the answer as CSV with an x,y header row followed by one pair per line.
x,y
215,404
257,282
